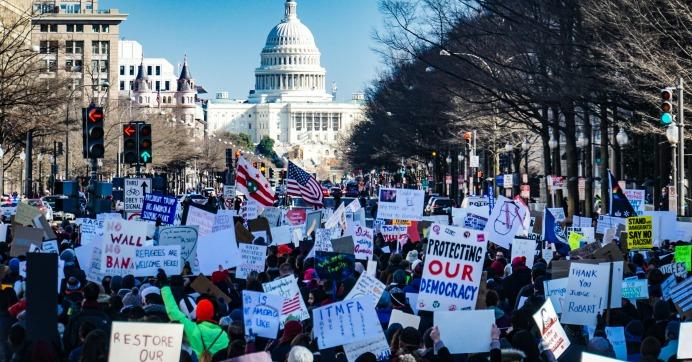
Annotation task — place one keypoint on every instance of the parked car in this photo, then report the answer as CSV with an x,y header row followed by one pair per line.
x,y
352,189
8,209
440,205
43,206
58,213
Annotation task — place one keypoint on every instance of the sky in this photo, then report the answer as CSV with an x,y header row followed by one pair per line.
x,y
223,38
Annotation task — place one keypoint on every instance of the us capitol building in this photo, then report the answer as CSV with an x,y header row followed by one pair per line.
x,y
289,102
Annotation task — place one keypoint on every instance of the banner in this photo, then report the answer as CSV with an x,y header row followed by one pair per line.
x,y
400,204
159,207
587,287
261,313
149,259
377,346
479,205
475,222
551,330
505,221
635,289
217,251
293,306
120,239
468,331
132,341
186,238
392,233
683,254
345,322
640,232
453,268
253,257
367,286
363,245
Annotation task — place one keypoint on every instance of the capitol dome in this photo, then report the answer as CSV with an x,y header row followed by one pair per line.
x,y
290,64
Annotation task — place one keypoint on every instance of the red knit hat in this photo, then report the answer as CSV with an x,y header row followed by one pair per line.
x,y
284,249
204,311
519,260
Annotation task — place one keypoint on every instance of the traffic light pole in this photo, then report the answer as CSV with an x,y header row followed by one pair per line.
x,y
681,150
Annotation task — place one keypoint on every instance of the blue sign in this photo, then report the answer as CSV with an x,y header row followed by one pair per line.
x,y
491,199
158,206
500,180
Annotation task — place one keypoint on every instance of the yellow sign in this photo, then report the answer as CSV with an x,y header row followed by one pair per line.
x,y
574,240
640,232
401,222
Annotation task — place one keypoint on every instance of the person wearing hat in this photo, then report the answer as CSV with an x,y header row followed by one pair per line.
x,y
91,312
521,276
204,335
279,348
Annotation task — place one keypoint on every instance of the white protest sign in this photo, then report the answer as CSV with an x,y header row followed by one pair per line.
x,y
120,239
345,322
294,306
261,313
367,286
685,334
186,237
363,245
586,288
250,209
50,246
453,268
89,257
479,205
132,341
551,330
505,221
398,233
637,199
281,235
90,230
149,259
635,289
377,346
218,251
253,257
590,357
372,268
609,222
405,319
667,285
336,218
580,221
400,204
470,336
273,216
223,220
616,337
133,192
412,299
525,248
323,240
203,219
555,290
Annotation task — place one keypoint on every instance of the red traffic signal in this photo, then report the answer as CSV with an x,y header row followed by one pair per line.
x,y
95,114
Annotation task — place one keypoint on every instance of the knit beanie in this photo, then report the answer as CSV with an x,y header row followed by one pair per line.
x,y
204,311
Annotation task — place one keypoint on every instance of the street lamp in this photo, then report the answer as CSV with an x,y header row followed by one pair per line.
x,y
526,146
40,174
622,140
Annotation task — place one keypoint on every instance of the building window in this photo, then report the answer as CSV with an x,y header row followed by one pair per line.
x,y
168,85
249,126
70,28
100,66
122,70
308,122
100,47
132,84
132,70
48,47
158,70
53,28
79,28
122,85
44,28
104,28
51,65
148,69
100,28
325,121
158,85
73,65
74,47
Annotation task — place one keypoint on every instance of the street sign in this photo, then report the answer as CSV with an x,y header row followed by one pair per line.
x,y
582,188
474,161
672,199
508,181
134,193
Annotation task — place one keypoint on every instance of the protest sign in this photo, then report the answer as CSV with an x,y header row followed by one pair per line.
x,y
367,286
25,214
372,268
667,285
260,237
586,251
526,248
203,285
637,199
683,254
377,346
505,221
453,268
334,266
202,218
616,337
155,206
131,341
588,233
555,290
273,215
635,289
400,204
405,319
242,235
585,289
474,222
120,239
412,300
547,254
363,245
590,357
574,240
343,245
89,257
90,230
323,240
294,306
40,222
685,334
223,220
345,322
253,257
470,336
580,221
3,232
551,330
250,209
218,251
50,246
149,259
639,232
186,237
313,221
677,269
296,217
479,205
281,235
681,295
22,238
261,313
608,222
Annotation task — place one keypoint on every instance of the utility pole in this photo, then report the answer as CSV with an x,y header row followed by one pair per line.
x,y
28,165
681,150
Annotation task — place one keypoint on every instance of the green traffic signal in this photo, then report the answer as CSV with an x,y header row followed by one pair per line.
x,y
666,118
145,155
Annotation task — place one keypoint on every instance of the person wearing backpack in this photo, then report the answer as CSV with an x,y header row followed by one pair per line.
x,y
205,336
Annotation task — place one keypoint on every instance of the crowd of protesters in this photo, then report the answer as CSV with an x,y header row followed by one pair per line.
x,y
213,329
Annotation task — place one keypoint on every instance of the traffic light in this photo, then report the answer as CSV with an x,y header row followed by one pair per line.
x,y
229,157
667,106
93,119
263,169
145,153
130,143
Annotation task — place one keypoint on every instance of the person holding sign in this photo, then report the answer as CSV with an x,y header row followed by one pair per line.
x,y
204,336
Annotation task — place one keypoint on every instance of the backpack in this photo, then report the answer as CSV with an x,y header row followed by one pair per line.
x,y
206,354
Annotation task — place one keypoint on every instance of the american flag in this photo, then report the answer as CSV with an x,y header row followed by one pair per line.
x,y
291,305
299,183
